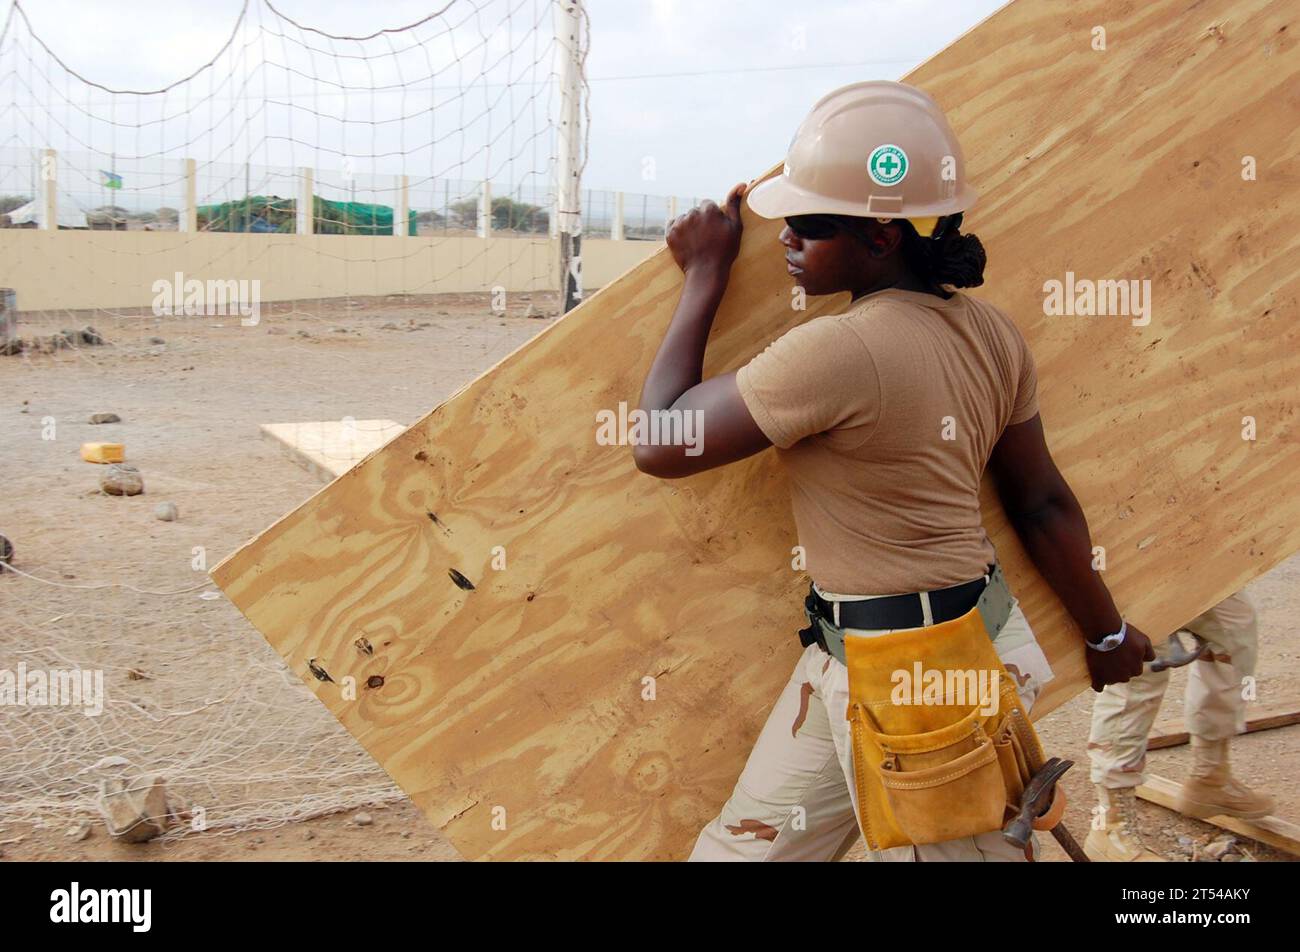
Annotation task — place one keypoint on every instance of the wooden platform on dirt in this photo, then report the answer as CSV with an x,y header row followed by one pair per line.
x,y
517,582
1276,832
330,448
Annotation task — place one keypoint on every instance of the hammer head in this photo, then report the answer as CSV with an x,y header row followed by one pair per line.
x,y
1177,654
1035,800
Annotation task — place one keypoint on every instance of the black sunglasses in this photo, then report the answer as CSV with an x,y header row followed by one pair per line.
x,y
817,227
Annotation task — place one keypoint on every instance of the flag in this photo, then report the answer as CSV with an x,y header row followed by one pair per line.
x,y
110,179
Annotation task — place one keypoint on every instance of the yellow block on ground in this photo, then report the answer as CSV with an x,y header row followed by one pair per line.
x,y
103,452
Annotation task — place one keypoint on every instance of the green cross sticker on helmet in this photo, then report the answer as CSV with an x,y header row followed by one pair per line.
x,y
887,165
914,163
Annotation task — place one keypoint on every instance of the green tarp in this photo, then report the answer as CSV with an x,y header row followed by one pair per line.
x,y
271,215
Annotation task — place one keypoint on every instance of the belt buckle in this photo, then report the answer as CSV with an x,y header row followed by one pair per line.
x,y
814,633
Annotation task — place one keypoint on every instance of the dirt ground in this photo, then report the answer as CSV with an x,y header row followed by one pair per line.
x,y
190,409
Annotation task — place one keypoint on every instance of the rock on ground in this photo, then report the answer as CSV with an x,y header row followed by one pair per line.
x,y
122,479
1220,848
135,811
78,831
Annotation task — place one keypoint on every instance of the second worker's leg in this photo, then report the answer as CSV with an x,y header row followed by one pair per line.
x,y
1122,716
1215,712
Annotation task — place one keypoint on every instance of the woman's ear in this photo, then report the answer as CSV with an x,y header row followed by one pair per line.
x,y
882,239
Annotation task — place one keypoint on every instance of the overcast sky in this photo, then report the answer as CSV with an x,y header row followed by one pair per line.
x,y
686,97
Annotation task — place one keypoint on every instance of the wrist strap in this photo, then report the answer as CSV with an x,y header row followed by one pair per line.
x,y
1110,642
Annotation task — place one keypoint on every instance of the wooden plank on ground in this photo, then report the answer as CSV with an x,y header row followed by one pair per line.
x,y
330,448
517,713
1273,831
1171,733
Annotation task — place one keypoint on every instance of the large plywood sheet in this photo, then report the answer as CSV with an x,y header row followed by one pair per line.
x,y
523,700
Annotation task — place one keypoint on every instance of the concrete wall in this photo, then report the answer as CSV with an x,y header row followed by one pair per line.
x,y
53,270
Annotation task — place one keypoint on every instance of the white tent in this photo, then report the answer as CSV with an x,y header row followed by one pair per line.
x,y
35,212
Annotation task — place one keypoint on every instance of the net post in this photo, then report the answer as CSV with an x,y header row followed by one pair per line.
x,y
568,27
305,223
485,210
401,227
8,316
188,221
49,220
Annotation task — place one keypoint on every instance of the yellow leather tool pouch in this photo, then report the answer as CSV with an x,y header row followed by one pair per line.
x,y
941,743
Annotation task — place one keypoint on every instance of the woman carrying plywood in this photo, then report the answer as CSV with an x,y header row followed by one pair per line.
x,y
905,719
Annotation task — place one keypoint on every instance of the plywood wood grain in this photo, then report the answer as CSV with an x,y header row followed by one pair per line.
x,y
515,713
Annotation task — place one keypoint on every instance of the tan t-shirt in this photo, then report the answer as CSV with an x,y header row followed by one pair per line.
x,y
884,418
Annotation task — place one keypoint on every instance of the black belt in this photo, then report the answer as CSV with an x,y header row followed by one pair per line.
x,y
898,611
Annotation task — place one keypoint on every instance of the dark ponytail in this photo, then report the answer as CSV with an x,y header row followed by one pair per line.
x,y
949,257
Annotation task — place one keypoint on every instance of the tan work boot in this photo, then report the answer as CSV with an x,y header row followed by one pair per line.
x,y
1118,840
1212,790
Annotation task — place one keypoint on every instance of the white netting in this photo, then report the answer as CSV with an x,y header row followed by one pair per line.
x,y
219,715
413,118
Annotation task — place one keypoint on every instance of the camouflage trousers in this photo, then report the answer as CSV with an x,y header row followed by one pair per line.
x,y
1213,704
796,799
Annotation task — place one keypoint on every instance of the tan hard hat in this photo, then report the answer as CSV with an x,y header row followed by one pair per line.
x,y
877,149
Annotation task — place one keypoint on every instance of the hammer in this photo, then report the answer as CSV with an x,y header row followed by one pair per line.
x,y
1184,655
1041,797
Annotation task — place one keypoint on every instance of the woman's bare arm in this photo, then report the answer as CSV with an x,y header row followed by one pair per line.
x,y
1051,525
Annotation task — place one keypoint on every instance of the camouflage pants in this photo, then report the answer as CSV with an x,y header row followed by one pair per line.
x,y
796,797
1213,708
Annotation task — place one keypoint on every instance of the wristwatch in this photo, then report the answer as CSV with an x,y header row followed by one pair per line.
x,y
1110,642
